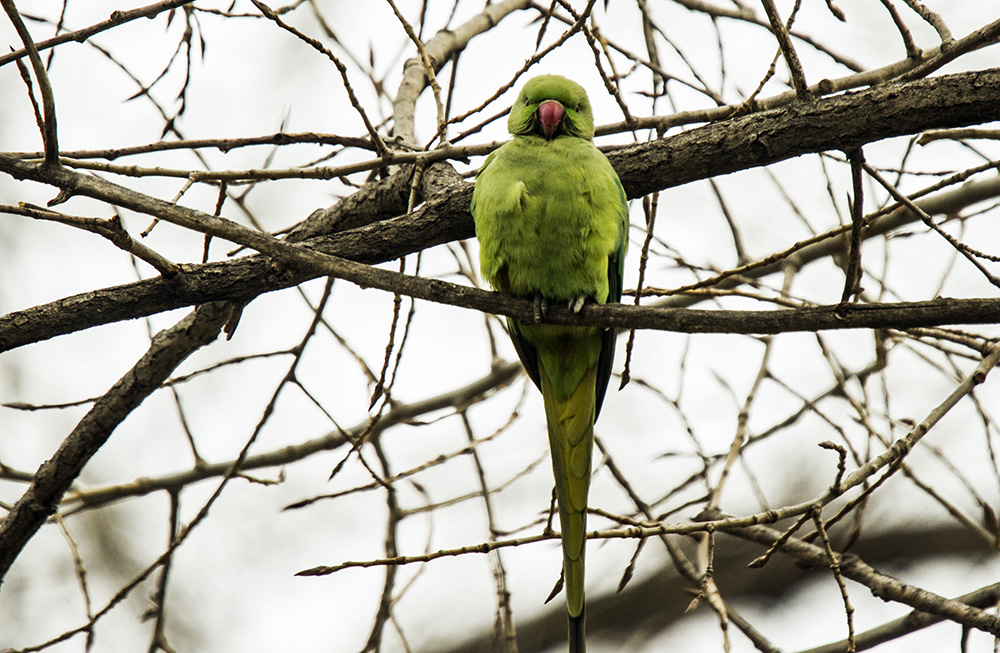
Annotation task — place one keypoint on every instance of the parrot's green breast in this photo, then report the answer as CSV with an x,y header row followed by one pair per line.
x,y
548,217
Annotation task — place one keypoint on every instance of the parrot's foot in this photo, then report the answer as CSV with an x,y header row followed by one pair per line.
x,y
541,307
576,305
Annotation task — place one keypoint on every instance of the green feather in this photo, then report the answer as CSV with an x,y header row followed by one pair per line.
x,y
552,221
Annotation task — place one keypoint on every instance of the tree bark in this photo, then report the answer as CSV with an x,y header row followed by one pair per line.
x,y
831,123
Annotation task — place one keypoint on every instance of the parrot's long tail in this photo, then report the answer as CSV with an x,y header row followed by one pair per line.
x,y
571,440
577,633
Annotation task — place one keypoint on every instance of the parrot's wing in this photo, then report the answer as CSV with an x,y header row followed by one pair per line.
x,y
525,351
616,271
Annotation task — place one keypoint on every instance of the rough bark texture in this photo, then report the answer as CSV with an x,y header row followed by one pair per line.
x,y
840,122
830,123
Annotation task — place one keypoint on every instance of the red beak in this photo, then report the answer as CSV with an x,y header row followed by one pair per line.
x,y
550,115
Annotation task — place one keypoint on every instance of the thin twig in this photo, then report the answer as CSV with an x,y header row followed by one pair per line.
x,y
505,618
933,19
48,127
372,132
912,51
817,516
650,206
852,276
972,255
111,228
118,17
428,65
780,32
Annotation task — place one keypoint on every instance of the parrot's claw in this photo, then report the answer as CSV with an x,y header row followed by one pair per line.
x,y
577,304
541,308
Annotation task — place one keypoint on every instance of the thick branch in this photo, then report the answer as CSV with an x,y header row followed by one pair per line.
x,y
438,50
54,477
830,123
841,122
245,278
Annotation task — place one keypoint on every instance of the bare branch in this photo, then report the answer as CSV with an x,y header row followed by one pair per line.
x,y
168,349
48,127
117,18
787,49
316,45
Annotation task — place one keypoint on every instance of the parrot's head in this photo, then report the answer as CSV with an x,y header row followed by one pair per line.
x,y
551,106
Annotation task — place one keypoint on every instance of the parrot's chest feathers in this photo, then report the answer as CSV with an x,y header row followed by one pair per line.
x,y
554,220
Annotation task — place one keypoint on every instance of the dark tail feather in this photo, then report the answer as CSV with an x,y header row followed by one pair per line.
x,y
577,636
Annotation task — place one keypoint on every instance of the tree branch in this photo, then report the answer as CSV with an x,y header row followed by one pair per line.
x,y
117,18
649,606
54,477
48,126
400,413
839,122
882,585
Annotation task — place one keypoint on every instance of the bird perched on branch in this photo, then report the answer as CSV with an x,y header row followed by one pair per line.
x,y
552,223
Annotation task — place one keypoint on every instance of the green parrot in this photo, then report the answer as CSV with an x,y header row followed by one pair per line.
x,y
552,223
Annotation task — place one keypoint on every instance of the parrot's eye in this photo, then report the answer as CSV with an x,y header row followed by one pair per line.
x,y
577,108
